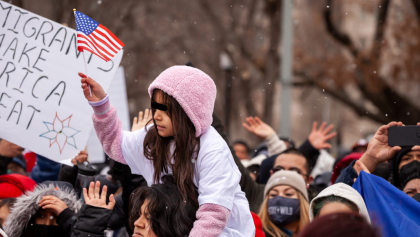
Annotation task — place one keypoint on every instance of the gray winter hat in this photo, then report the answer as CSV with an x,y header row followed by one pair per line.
x,y
27,205
286,177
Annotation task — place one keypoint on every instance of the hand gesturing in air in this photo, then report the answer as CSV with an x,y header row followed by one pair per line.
x,y
141,122
258,127
94,199
319,137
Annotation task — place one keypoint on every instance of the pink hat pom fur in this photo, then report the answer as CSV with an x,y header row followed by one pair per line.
x,y
194,90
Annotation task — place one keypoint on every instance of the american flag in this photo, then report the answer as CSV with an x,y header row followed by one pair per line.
x,y
96,38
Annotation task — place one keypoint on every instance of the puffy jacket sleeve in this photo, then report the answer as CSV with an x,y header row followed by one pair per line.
x,y
108,127
324,163
275,145
347,175
211,220
66,219
91,221
310,152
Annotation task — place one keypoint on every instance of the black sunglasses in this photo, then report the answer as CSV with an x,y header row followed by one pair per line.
x,y
160,107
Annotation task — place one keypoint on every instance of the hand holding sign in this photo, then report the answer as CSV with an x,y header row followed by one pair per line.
x,y
98,93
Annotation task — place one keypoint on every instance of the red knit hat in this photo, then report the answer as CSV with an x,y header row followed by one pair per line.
x,y
343,163
258,226
14,185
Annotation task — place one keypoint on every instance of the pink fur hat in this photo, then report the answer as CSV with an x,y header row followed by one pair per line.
x,y
194,90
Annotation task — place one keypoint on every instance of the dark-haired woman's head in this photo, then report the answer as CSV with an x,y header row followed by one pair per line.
x,y
333,204
172,125
347,224
160,210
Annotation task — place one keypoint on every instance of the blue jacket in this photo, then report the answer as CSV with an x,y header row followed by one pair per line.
x,y
396,213
45,169
347,175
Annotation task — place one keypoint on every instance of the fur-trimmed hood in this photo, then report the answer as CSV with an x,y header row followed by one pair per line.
x,y
27,205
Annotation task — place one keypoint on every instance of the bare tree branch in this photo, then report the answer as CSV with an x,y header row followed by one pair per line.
x,y
340,95
230,35
416,4
372,85
342,38
227,36
380,28
272,62
250,15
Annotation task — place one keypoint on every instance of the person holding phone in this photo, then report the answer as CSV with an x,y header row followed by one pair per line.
x,y
378,151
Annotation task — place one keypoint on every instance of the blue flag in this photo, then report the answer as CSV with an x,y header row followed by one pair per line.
x,y
396,213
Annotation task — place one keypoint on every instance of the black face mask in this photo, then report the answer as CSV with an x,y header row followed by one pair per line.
x,y
409,171
383,170
417,197
283,211
44,230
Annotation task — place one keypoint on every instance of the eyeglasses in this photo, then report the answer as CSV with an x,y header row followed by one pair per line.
x,y
291,169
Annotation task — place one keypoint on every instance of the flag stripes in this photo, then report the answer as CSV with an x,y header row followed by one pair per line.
x,y
96,38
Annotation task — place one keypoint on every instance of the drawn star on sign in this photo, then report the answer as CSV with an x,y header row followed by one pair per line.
x,y
60,133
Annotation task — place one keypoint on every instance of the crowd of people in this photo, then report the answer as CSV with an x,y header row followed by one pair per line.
x,y
177,174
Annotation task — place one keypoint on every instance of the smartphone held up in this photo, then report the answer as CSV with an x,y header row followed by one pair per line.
x,y
404,135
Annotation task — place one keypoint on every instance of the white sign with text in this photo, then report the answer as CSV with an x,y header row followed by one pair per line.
x,y
42,106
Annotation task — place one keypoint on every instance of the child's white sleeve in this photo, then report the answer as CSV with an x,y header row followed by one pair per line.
x,y
218,178
132,150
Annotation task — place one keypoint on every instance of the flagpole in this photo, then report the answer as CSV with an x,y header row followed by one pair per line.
x,y
87,75
84,60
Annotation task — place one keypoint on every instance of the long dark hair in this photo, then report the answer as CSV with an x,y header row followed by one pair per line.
x,y
187,147
168,215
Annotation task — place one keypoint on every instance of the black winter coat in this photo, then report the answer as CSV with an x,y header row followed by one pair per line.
x,y
89,222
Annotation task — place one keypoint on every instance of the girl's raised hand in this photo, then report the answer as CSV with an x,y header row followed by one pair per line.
x,y
98,92
98,200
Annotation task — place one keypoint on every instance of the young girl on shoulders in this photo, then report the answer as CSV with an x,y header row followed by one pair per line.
x,y
180,142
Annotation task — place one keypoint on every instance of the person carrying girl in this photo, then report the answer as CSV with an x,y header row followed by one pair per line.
x,y
180,142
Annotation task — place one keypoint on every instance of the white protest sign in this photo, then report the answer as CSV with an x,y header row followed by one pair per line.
x,y
42,106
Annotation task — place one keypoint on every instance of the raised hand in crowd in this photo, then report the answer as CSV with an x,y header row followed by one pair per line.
x,y
256,126
320,136
98,200
53,203
98,92
142,120
81,157
378,149
8,149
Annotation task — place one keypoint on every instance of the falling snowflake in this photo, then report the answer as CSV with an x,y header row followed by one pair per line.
x,y
60,133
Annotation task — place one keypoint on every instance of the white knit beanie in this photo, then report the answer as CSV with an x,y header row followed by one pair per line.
x,y
286,177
